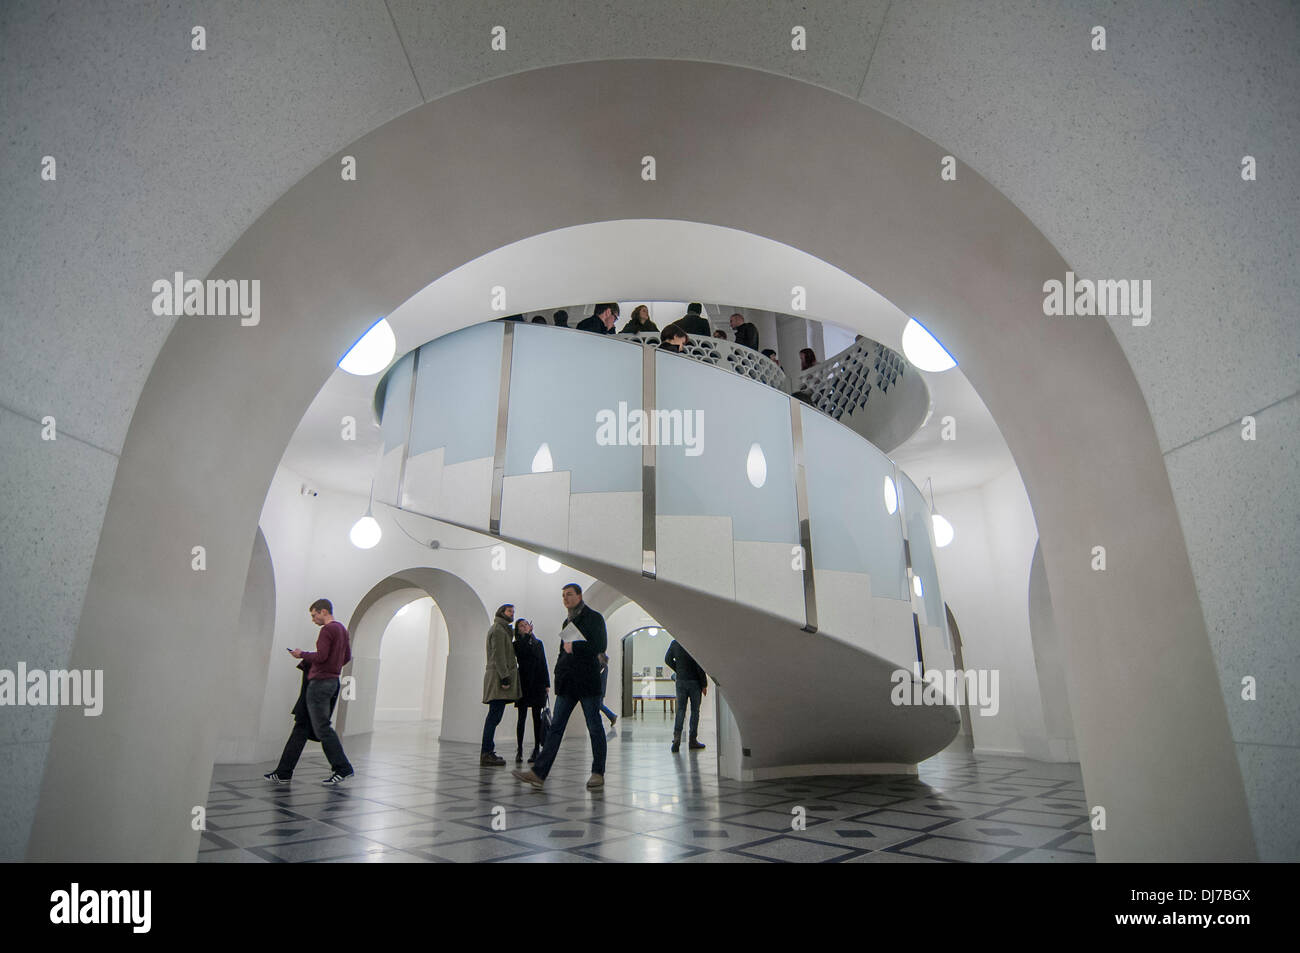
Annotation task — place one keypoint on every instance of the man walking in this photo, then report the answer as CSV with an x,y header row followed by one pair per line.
x,y
318,697
500,680
577,682
692,684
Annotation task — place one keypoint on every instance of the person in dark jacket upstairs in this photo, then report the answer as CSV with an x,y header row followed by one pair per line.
x,y
319,694
693,322
746,333
673,338
534,687
577,682
561,318
692,684
639,322
602,322
539,319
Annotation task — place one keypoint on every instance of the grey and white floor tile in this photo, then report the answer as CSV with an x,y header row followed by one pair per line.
x,y
416,799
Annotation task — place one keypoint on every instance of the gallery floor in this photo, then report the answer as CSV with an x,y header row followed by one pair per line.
x,y
415,799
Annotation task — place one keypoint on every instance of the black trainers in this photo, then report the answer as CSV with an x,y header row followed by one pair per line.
x,y
491,759
336,778
276,778
695,745
677,743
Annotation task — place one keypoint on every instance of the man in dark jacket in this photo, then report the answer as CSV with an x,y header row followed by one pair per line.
x,y
577,682
692,684
602,322
746,333
693,322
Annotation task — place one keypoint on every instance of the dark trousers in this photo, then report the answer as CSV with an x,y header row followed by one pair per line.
x,y
564,706
538,738
692,692
320,696
604,680
496,709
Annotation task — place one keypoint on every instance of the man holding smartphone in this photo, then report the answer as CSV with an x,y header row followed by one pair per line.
x,y
318,698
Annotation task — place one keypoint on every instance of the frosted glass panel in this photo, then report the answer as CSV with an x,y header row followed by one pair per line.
x,y
559,381
851,529
456,390
397,403
920,537
735,414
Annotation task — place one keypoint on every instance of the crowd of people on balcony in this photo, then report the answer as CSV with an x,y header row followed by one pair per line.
x,y
676,336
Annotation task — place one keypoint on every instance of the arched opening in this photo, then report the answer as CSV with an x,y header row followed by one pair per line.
x,y
330,259
465,619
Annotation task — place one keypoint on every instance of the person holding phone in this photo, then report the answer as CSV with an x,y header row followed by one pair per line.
x,y
317,698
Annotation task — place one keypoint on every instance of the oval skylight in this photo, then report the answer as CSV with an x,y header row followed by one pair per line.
x,y
924,350
373,352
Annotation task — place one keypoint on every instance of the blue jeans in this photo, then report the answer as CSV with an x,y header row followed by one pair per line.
x,y
688,691
604,680
496,709
564,706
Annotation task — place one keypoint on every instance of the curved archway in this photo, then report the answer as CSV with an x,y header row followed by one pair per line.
x,y
332,256
467,619
252,650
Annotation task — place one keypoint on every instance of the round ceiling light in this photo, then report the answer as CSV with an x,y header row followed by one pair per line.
x,y
366,533
943,532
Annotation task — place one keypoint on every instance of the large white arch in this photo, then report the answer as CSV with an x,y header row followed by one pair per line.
x,y
441,189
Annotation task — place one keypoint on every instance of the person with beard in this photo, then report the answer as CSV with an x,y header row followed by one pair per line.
x,y
534,687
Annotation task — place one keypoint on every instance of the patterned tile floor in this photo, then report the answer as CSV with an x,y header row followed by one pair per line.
x,y
415,799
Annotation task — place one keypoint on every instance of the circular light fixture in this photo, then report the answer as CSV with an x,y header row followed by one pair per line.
x,y
924,350
652,632
542,462
373,352
547,566
891,496
756,466
366,533
917,587
943,532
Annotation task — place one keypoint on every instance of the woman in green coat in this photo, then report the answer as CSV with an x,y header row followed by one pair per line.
x,y
500,680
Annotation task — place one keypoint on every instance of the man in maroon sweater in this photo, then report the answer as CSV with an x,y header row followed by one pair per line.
x,y
333,651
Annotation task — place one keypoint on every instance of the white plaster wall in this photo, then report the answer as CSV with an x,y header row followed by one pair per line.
x,y
982,601
1161,199
404,658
